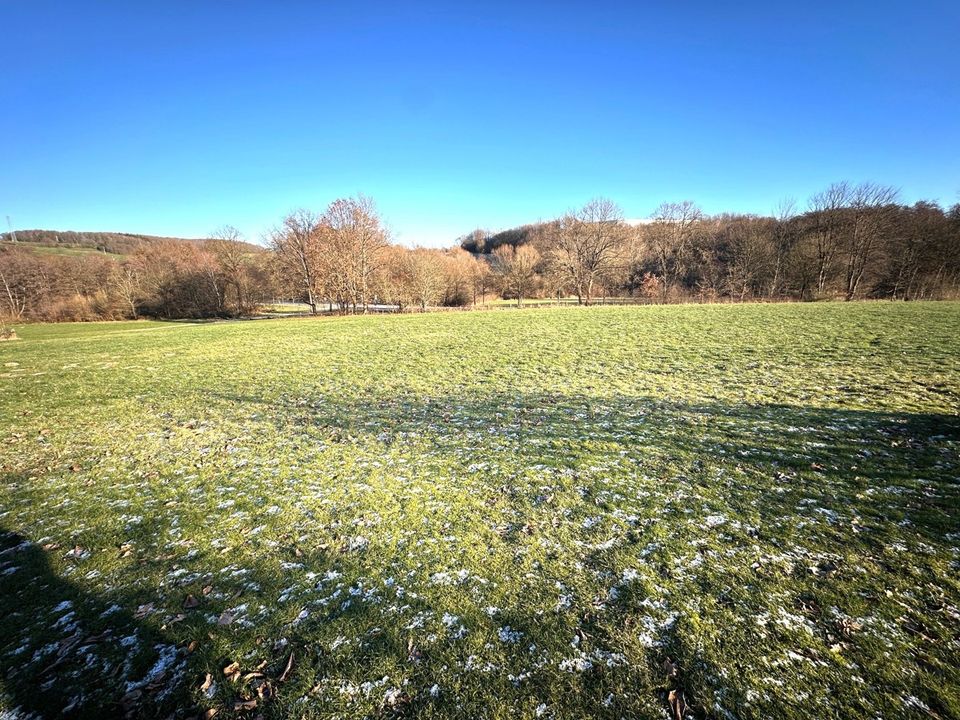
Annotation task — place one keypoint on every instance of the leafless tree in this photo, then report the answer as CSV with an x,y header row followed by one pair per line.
x,y
589,245
127,282
297,245
828,209
425,273
354,242
783,239
516,267
870,220
234,261
672,234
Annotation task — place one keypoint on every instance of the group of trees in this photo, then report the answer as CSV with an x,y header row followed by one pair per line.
x,y
850,241
163,278
342,260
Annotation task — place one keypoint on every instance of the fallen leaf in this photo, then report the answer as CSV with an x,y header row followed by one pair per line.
x,y
677,704
264,689
190,602
244,705
670,668
225,618
232,671
286,671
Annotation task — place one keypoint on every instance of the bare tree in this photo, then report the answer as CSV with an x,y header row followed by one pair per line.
x,y
354,240
672,235
589,246
233,257
425,274
870,220
516,267
783,239
127,283
828,210
297,246
750,257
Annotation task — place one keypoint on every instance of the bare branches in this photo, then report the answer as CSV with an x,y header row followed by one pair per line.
x,y
516,268
589,245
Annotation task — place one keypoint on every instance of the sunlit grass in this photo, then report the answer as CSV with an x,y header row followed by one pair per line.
x,y
555,513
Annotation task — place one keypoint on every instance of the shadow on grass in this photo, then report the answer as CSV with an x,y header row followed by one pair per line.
x,y
66,653
837,458
828,454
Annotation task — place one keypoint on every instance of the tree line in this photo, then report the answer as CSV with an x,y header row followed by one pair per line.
x,y
848,242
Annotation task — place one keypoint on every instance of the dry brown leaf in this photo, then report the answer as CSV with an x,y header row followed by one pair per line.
x,y
670,668
190,602
210,713
244,705
414,654
286,671
225,618
192,646
207,589
677,704
207,682
232,671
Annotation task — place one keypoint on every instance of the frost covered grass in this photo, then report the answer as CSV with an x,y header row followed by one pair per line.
x,y
733,512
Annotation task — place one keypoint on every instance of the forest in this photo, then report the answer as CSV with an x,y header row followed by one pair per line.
x,y
849,242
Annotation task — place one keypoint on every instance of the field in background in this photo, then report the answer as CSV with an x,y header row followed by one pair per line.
x,y
752,511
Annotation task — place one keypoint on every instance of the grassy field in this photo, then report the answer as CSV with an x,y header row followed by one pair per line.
x,y
70,250
725,511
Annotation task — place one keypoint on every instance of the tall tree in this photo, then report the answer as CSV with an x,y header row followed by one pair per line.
x,y
828,211
871,217
355,239
516,267
589,245
297,245
672,236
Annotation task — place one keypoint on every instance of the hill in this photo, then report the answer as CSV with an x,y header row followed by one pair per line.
x,y
72,242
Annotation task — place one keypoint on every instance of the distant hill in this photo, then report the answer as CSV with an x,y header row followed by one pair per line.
x,y
485,243
71,242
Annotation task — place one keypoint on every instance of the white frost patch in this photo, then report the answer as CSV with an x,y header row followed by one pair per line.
x,y
168,656
509,635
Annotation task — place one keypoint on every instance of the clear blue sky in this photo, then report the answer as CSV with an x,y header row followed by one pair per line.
x,y
177,117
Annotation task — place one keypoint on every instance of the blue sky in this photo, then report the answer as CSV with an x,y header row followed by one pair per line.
x,y
175,118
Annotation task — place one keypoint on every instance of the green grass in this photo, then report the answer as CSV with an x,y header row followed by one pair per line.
x,y
68,250
558,513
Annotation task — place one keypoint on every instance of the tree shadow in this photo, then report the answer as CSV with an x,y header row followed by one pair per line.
x,y
888,468
827,454
66,653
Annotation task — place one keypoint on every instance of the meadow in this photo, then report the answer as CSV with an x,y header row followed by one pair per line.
x,y
741,511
